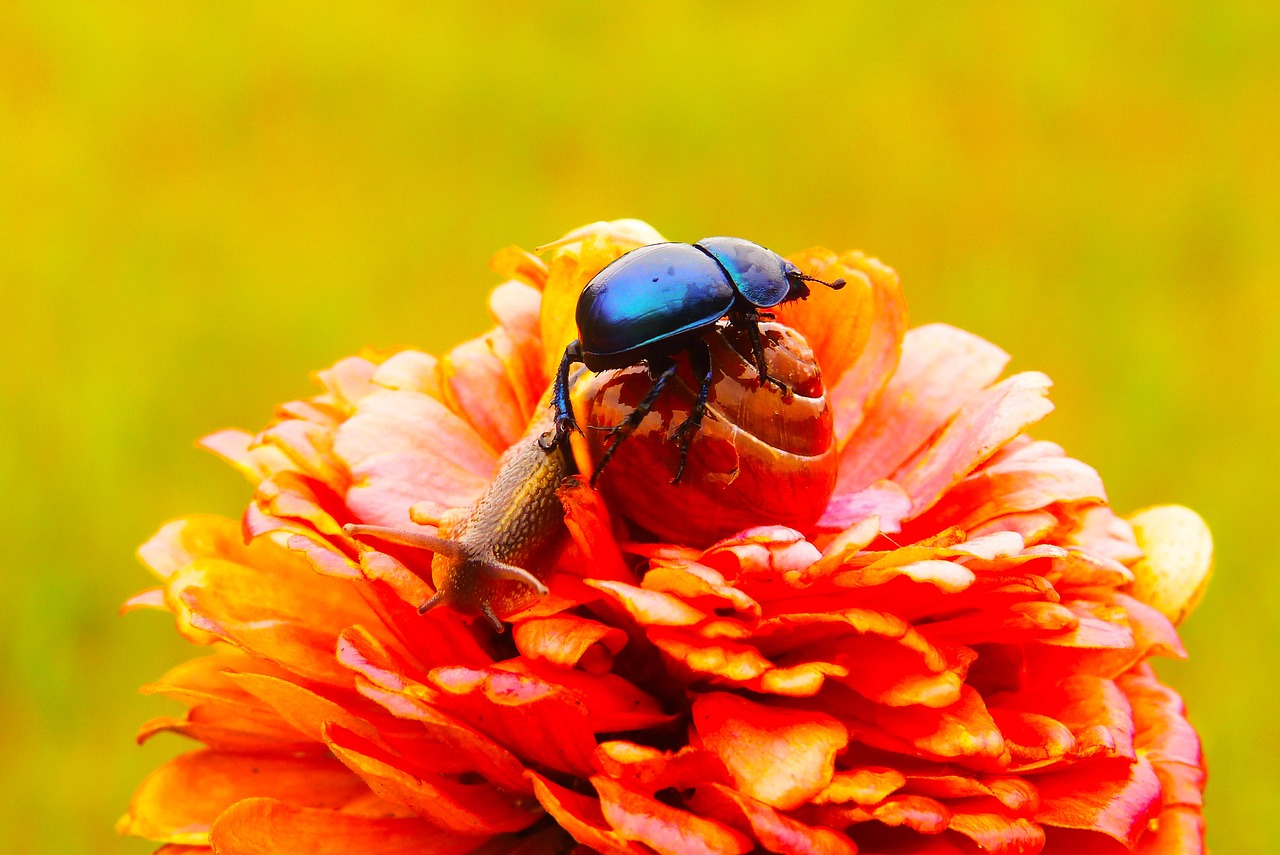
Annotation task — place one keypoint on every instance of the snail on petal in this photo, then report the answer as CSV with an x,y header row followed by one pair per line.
x,y
766,453
491,557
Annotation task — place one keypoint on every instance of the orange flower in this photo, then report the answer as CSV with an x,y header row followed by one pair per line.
x,y
950,659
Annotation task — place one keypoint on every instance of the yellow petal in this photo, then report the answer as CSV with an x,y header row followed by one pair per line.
x,y
1175,571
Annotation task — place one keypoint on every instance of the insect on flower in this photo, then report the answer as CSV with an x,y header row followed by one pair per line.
x,y
657,301
919,630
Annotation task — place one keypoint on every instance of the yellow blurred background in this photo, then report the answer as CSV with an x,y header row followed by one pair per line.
x,y
200,203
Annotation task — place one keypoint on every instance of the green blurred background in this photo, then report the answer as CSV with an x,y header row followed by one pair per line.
x,y
201,204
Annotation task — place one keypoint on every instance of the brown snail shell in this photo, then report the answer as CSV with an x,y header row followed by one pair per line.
x,y
764,455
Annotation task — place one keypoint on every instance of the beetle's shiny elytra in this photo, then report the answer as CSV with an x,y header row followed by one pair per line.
x,y
655,302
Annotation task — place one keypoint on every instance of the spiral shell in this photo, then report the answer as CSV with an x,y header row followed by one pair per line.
x,y
763,454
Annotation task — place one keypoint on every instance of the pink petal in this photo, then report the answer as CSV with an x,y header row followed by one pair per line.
x,y
941,369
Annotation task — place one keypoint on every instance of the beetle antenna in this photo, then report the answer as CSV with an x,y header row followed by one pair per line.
x,y
834,285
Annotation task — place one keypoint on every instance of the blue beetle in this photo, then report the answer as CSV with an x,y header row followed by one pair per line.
x,y
656,302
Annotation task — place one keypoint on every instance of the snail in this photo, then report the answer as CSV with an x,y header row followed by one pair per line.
x,y
766,453
490,557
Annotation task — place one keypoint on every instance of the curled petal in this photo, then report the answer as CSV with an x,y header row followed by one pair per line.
x,y
667,830
864,786
995,830
781,757
650,769
1093,797
582,818
776,831
1174,571
565,640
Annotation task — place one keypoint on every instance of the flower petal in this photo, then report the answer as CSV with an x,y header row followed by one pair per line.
x,y
782,757
1174,572
1092,797
667,830
582,818
775,831
405,448
535,719
852,391
265,826
986,422
465,808
179,801
941,369
565,640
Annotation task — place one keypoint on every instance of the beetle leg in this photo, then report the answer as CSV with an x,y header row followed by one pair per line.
x,y
565,423
751,320
623,429
700,361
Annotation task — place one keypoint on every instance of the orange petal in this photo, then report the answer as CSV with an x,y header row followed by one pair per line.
x,y
517,307
989,420
310,712
436,638
963,732
1015,486
837,324
667,830
309,446
615,704
565,640
1094,797
348,380
537,720
918,813
182,541
994,830
1177,831
864,786
265,826
1166,738
775,831
241,449
223,728
282,611
852,391
650,769
782,757
512,262
486,383
451,747
651,608
941,369
587,518
690,580
1015,794
582,818
465,808
179,801
151,598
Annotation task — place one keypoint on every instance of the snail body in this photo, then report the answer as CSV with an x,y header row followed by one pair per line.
x,y
489,556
